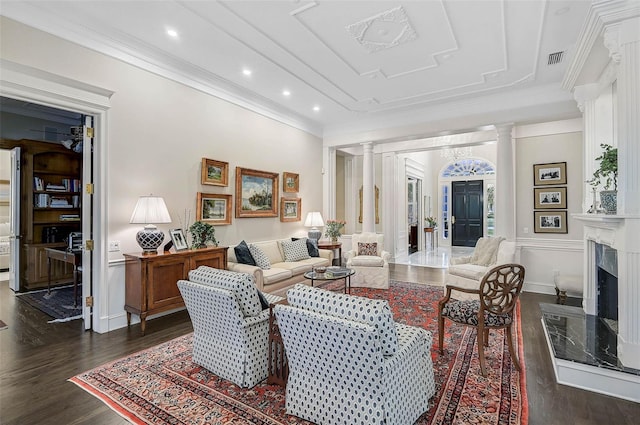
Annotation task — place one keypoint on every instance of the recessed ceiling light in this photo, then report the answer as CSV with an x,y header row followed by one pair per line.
x,y
172,33
316,108
246,72
286,93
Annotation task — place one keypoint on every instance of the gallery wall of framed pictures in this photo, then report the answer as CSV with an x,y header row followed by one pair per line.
x,y
550,197
255,191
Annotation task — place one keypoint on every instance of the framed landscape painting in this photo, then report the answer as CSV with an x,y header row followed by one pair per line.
x,y
290,209
548,174
214,172
256,193
550,221
290,182
214,208
550,197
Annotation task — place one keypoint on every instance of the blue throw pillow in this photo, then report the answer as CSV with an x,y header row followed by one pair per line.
x,y
263,300
312,247
243,255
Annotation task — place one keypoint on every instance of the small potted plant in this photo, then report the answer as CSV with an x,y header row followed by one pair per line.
x,y
607,176
333,228
431,222
201,233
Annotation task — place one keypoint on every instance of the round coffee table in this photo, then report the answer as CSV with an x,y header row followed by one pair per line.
x,y
333,273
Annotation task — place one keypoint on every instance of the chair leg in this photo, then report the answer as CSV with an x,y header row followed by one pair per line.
x,y
512,351
486,337
441,332
480,332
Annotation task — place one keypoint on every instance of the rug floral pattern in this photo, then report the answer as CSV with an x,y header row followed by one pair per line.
x,y
162,385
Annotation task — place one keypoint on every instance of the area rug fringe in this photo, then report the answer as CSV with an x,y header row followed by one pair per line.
x,y
66,319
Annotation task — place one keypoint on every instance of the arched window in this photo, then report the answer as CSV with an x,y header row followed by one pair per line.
x,y
468,167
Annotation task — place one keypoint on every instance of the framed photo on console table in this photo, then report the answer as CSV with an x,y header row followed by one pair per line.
x,y
214,208
256,193
550,221
215,173
552,173
290,209
549,197
178,239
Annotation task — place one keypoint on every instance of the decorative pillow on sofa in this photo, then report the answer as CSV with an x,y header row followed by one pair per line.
x,y
312,246
295,250
359,309
368,248
241,284
243,255
259,257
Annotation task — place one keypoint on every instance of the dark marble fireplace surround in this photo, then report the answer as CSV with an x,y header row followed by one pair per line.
x,y
584,338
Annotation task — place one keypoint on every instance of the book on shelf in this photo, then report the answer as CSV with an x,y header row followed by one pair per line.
x,y
69,217
38,184
41,200
56,187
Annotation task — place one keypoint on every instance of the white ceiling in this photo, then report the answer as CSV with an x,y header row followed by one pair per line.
x,y
363,63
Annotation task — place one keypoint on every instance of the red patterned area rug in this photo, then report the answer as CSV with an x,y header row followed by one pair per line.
x,y
161,385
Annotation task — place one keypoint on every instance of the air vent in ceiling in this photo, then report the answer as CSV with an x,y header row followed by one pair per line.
x,y
555,58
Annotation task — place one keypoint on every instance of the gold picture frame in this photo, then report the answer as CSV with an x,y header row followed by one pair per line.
x,y
550,174
290,182
215,173
550,221
214,208
256,193
377,202
550,197
290,209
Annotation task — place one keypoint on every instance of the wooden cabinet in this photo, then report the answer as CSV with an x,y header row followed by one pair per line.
x,y
50,196
151,281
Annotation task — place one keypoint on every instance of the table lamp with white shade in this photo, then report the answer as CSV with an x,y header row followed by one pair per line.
x,y
150,210
314,220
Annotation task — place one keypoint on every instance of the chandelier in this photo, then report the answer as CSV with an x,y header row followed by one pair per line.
x,y
455,154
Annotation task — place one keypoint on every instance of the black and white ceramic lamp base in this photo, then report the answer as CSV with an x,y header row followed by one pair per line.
x,y
149,239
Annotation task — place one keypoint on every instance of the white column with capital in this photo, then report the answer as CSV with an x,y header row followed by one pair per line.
x,y
505,184
623,42
586,96
368,187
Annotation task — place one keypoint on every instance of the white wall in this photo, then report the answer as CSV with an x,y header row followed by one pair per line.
x,y
158,132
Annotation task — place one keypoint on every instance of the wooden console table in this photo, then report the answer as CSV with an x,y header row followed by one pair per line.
x,y
332,246
151,280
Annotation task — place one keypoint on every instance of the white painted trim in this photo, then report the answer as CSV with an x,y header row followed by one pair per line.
x,y
592,378
26,83
539,287
550,244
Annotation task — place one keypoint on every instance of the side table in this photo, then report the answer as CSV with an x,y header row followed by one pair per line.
x,y
332,246
278,367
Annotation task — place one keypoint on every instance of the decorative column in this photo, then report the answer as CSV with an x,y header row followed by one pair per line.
x,y
368,187
623,42
505,184
586,96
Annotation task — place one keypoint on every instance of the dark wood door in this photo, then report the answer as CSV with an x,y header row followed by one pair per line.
x,y
467,211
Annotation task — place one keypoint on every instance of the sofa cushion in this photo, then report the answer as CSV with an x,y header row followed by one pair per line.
x,y
367,248
295,267
272,249
243,254
367,261
275,275
240,284
295,250
469,271
358,309
260,257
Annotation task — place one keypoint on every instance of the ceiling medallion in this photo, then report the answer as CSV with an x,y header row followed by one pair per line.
x,y
383,31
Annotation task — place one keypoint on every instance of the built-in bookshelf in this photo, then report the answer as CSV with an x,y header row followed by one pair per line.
x,y
51,209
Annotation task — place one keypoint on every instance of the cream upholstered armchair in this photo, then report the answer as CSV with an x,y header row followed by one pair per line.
x,y
370,261
467,272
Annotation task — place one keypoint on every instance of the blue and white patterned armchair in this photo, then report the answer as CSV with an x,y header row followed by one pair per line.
x,y
350,363
230,327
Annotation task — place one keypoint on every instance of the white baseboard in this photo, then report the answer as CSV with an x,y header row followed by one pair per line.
x,y
539,287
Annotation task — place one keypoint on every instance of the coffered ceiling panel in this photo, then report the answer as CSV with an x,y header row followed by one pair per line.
x,y
349,59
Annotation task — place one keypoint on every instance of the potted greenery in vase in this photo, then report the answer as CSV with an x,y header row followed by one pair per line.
x,y
201,233
431,222
607,175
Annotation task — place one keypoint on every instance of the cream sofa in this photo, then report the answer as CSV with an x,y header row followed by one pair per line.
x,y
282,274
467,272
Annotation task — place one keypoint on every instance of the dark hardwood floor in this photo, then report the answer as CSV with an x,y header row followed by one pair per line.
x,y
37,358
